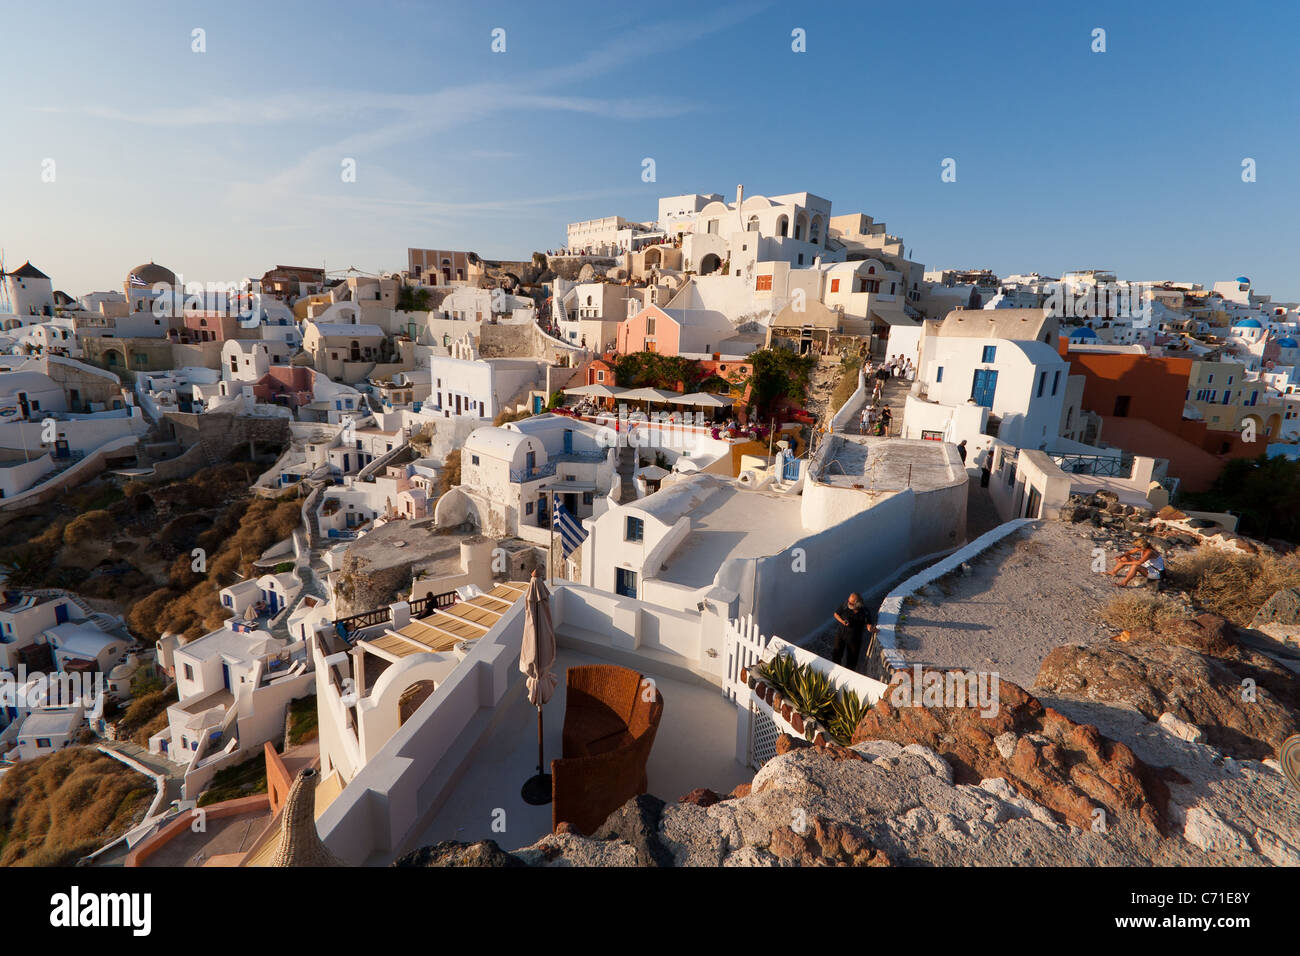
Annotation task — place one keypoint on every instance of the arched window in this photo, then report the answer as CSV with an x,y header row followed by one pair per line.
x,y
783,226
752,225
814,233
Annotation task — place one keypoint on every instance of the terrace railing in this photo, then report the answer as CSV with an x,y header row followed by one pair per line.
x,y
1100,465
520,475
592,457
421,607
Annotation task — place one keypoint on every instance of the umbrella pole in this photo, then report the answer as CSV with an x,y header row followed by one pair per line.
x,y
537,789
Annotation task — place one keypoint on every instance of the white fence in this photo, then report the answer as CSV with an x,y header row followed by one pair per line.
x,y
757,725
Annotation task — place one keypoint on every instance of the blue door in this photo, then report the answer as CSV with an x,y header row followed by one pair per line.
x,y
985,384
625,582
568,441
60,614
537,404
225,675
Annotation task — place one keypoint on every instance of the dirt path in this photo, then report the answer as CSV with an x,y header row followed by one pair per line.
x,y
1005,614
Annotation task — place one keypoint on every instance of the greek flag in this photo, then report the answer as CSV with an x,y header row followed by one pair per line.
x,y
570,528
136,280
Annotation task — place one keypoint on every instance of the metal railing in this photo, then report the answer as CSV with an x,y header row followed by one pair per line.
x,y
419,608
1100,465
594,457
520,475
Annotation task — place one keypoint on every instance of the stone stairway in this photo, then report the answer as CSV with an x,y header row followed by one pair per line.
x,y
625,466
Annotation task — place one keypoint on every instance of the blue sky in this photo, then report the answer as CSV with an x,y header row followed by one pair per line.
x,y
222,164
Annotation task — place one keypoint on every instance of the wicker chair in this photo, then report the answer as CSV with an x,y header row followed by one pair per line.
x,y
609,730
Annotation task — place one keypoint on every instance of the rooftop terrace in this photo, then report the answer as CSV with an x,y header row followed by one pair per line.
x,y
888,464
694,747
724,527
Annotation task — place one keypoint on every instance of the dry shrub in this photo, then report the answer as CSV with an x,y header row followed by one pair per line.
x,y
56,809
144,710
1234,586
449,477
233,543
91,526
1141,610
145,617
158,723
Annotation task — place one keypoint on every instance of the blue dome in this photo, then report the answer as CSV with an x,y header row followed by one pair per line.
x,y
1083,333
1247,324
1243,279
1287,343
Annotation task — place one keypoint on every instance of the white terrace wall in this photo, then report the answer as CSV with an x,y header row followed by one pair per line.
x,y
690,640
391,799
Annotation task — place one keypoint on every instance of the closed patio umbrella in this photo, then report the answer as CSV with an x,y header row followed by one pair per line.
x,y
537,661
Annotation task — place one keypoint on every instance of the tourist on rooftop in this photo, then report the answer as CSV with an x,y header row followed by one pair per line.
x,y
1141,557
852,617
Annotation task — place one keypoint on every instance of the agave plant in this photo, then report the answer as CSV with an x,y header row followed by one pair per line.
x,y
812,693
846,712
779,672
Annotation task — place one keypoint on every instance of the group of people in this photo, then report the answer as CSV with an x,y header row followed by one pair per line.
x,y
895,366
876,418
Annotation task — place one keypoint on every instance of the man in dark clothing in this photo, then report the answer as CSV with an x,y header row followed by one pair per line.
x,y
852,617
961,450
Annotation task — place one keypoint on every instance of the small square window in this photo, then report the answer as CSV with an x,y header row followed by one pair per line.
x,y
635,529
990,353
473,459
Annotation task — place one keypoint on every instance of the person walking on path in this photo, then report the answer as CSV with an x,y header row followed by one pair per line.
x,y
961,450
852,618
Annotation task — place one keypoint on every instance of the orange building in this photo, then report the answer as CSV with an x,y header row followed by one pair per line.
x,y
1140,399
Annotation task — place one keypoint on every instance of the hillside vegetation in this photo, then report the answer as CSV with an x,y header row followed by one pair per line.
x,y
133,545
56,809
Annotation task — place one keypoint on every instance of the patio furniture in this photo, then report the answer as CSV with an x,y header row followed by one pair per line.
x,y
609,730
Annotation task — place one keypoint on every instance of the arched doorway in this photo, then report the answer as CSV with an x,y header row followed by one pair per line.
x,y
412,698
710,263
